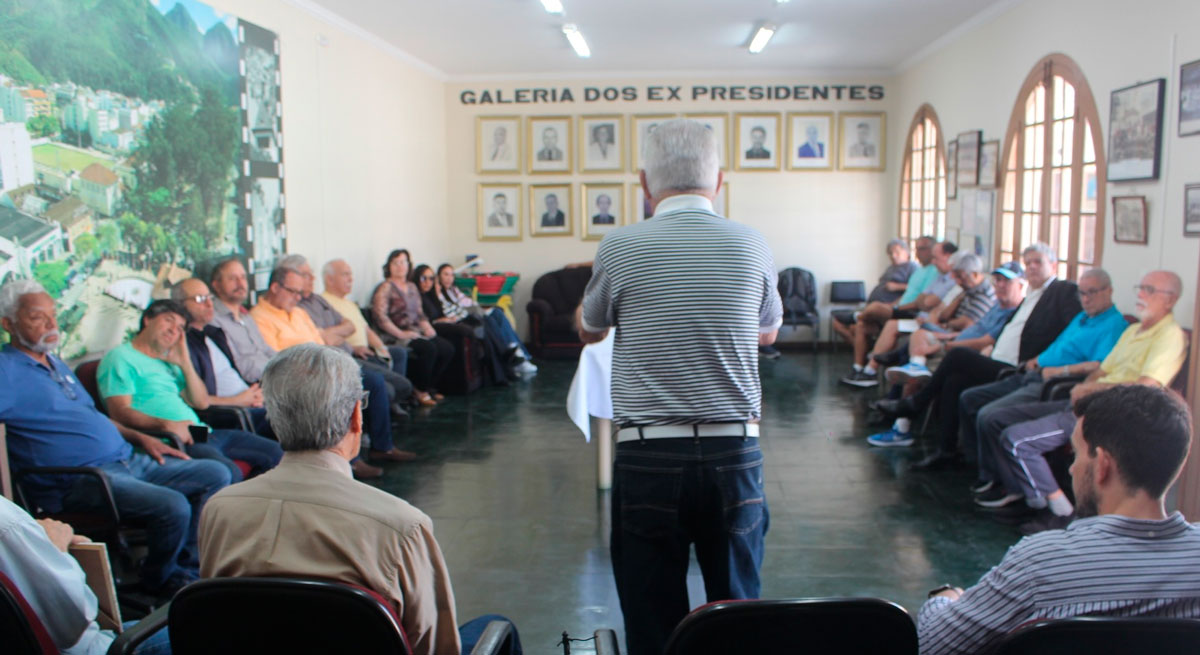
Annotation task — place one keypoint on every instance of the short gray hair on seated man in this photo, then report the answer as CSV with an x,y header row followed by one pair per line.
x,y
309,392
1042,248
681,155
1099,275
293,262
327,271
967,262
896,242
10,296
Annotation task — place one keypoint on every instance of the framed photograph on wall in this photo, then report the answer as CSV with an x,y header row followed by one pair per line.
x,y
967,162
601,143
639,126
989,158
602,208
1189,98
719,124
810,141
1135,132
497,144
639,204
1191,210
862,141
498,212
952,169
548,144
756,141
1129,219
550,210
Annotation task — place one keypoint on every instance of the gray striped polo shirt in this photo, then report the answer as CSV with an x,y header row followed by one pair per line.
x,y
688,293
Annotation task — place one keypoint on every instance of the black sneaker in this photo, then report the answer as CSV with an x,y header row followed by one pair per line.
x,y
769,352
860,379
997,497
980,486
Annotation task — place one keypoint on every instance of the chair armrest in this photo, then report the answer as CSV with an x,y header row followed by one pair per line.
x,y
1059,388
110,506
239,415
606,642
539,307
497,639
133,636
1006,373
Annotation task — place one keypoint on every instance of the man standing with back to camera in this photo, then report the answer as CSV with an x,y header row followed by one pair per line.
x,y
688,465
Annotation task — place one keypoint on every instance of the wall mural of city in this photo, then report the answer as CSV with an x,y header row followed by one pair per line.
x,y
140,141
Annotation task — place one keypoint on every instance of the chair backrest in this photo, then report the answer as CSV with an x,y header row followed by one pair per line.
x,y
1097,635
22,630
282,615
798,289
86,374
816,625
563,288
847,291
1179,384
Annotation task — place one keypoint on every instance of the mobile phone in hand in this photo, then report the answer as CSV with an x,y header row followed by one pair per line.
x,y
199,433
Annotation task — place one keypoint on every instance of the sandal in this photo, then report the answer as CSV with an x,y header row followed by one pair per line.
x,y
423,399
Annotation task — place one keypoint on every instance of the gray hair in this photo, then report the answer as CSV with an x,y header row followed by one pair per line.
x,y
177,289
11,293
1099,274
279,273
896,242
1043,249
681,155
293,262
966,262
327,270
309,392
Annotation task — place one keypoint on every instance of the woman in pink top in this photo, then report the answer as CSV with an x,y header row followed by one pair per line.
x,y
396,308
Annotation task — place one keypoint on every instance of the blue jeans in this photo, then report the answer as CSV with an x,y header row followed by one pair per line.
x,y
378,415
224,446
497,323
399,359
668,494
166,498
158,643
470,632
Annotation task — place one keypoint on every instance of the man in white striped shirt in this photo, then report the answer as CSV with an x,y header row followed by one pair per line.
x,y
1124,556
692,295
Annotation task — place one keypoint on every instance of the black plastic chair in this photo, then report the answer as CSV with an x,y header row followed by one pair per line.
x,y
844,292
813,625
798,290
1096,635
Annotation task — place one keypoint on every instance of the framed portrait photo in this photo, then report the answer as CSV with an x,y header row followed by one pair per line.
x,y
1191,210
641,125
602,208
719,124
1129,219
639,204
862,141
497,144
550,210
1189,98
952,169
498,212
989,157
967,161
756,141
1135,132
601,143
810,141
548,144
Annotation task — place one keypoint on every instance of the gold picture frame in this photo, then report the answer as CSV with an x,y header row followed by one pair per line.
x,y
603,158
553,157
762,154
710,119
803,153
869,154
591,195
490,220
639,126
492,157
560,223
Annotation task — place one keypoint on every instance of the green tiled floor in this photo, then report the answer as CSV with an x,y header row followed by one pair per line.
x,y
510,485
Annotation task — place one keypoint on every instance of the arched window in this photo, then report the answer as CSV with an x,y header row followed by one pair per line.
x,y
923,183
1054,169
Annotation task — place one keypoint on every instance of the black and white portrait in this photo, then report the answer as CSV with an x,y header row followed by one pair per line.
x,y
989,159
718,124
757,145
550,209
1129,219
499,211
1191,210
260,98
265,203
810,145
862,136
497,144
640,127
1135,132
602,209
549,144
967,166
1189,98
602,137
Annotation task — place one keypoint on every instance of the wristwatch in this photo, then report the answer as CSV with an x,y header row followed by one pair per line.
x,y
937,590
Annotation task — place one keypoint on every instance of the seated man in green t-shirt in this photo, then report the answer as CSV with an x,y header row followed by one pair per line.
x,y
150,384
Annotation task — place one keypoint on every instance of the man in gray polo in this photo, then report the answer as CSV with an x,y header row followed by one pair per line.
x,y
688,465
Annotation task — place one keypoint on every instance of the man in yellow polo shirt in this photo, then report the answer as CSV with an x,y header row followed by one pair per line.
x,y
1149,352
283,324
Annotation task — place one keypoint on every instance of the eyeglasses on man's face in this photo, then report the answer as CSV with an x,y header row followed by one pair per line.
x,y
200,300
1088,293
294,292
1150,290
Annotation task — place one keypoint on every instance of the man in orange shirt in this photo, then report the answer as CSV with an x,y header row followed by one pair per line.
x,y
283,324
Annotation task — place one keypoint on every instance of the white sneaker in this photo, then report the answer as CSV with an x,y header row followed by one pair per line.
x,y
527,368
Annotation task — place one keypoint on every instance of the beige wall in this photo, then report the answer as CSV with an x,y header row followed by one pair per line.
x,y
973,83
363,135
834,223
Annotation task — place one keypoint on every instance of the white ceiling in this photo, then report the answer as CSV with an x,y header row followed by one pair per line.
x,y
465,39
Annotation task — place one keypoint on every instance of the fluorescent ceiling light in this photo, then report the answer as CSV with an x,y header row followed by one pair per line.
x,y
764,34
576,39
781,2
553,6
